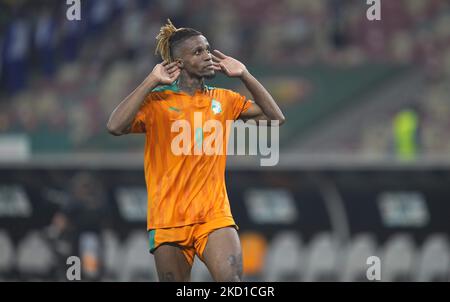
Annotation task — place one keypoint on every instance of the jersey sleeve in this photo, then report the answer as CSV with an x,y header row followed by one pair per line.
x,y
239,103
143,117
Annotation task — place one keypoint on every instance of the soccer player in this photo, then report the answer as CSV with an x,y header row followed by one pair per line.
x,y
188,208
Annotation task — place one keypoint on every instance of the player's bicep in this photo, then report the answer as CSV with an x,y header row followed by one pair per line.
x,y
254,112
127,130
142,118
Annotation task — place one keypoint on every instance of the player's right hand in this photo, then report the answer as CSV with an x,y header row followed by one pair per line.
x,y
166,73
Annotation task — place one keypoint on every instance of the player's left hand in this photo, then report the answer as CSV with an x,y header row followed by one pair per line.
x,y
228,65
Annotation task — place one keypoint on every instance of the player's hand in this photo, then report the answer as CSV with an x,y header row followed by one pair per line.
x,y
166,73
228,65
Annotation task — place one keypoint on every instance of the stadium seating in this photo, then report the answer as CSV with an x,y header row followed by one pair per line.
x,y
138,264
357,252
288,258
433,263
35,258
113,255
397,258
7,255
323,259
284,258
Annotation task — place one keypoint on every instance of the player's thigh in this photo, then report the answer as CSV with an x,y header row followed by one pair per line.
x,y
223,255
171,264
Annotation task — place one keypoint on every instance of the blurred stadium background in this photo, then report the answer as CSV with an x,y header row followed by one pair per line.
x,y
364,159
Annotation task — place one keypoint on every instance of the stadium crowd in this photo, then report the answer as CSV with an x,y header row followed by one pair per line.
x,y
61,77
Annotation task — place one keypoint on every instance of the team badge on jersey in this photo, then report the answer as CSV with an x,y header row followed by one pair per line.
x,y
216,107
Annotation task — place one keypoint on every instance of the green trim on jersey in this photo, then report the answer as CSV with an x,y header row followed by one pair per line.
x,y
174,87
151,237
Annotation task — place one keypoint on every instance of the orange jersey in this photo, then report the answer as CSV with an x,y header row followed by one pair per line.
x,y
186,188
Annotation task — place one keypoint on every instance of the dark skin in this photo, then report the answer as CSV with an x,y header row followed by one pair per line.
x,y
196,62
193,62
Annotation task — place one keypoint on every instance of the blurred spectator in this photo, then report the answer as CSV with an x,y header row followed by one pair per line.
x,y
406,133
79,224
1,58
132,29
15,51
99,12
71,39
45,41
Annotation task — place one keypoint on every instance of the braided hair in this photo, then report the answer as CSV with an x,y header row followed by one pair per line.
x,y
169,36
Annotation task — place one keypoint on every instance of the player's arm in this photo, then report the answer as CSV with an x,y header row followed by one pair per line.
x,y
119,122
264,108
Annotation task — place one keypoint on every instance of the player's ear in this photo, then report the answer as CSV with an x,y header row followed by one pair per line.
x,y
180,63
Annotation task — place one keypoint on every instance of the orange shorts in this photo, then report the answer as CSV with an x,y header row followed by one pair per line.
x,y
191,239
